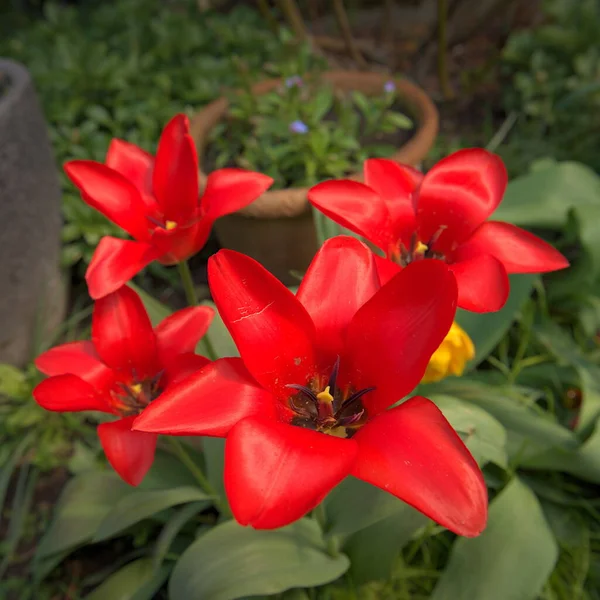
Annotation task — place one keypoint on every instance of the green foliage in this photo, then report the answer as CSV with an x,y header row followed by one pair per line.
x,y
123,69
304,131
554,73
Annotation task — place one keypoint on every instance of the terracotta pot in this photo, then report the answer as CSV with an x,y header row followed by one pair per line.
x,y
277,229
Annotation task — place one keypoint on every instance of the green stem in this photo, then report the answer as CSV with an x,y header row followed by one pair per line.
x,y
187,282
192,299
199,476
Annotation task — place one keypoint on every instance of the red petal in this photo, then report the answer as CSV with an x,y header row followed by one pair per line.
x,y
68,393
210,402
113,195
459,193
115,262
518,250
228,190
272,330
134,164
131,453
357,207
181,331
483,284
181,367
76,358
175,177
412,452
392,337
386,268
276,473
396,185
122,334
346,265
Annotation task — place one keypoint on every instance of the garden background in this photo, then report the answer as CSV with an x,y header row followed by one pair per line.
x,y
519,78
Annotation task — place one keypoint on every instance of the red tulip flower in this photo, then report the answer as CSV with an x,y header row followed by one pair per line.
x,y
121,371
155,200
307,404
441,215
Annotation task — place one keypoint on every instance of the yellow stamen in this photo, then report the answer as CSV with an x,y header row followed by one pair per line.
x,y
170,225
325,396
421,248
136,389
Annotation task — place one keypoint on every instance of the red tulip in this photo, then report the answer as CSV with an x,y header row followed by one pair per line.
x,y
441,215
121,371
308,401
155,200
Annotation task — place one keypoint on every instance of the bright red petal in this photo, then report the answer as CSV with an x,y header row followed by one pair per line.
x,y
115,262
228,190
357,207
175,176
210,402
68,393
386,268
76,358
122,334
518,250
342,264
392,337
181,367
180,332
483,284
272,330
412,452
275,473
113,195
131,453
459,193
134,164
396,184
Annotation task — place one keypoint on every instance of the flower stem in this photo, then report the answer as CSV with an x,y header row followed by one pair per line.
x,y
199,476
187,282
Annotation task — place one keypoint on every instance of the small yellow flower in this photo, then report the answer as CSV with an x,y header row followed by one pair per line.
x,y
451,357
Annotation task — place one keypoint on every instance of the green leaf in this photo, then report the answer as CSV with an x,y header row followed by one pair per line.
x,y
142,505
483,435
85,502
157,311
135,581
399,120
372,551
166,472
321,104
355,504
13,382
510,560
232,561
487,329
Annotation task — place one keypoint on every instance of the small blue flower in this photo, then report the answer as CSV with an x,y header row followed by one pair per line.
x,y
295,80
298,127
389,87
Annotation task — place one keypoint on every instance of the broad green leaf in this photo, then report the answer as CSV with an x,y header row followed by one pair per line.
x,y
219,336
232,561
86,500
563,347
166,472
13,382
583,462
372,551
355,504
487,329
142,505
510,560
135,581
214,458
483,435
157,311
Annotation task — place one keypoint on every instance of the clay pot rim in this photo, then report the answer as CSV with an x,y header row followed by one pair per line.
x,y
292,202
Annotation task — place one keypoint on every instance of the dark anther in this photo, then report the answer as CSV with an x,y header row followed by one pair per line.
x,y
352,403
333,377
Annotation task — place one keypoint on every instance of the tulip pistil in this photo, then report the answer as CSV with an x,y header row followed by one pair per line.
x,y
130,399
417,250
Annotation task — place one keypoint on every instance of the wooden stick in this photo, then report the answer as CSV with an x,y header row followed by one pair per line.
x,y
346,31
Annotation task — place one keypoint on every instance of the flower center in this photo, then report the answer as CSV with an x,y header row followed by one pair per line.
x,y
130,399
417,250
167,225
331,410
